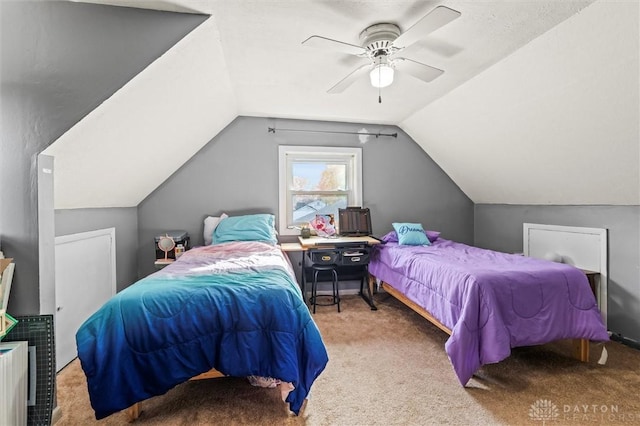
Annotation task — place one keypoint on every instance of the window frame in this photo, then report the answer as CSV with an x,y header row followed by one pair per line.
x,y
352,156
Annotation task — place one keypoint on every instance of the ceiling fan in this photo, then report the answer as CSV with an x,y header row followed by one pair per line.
x,y
381,43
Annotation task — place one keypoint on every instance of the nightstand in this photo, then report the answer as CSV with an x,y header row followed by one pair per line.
x,y
161,263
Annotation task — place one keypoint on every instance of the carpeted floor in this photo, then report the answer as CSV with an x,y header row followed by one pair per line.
x,y
388,367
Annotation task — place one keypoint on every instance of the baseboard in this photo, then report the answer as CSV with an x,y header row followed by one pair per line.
x,y
56,415
625,340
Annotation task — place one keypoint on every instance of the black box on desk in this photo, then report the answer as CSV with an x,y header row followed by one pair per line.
x,y
179,237
354,222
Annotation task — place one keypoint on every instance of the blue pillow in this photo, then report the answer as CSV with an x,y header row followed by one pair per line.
x,y
253,227
411,234
392,236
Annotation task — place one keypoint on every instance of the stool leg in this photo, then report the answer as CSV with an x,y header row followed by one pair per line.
x,y
336,287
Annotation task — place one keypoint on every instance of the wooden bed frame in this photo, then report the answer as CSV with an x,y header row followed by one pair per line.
x,y
580,346
134,411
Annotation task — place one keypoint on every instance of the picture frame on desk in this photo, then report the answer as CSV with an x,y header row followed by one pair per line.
x,y
324,225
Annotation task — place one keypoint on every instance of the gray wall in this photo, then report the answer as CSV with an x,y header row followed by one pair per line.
x,y
499,227
58,60
237,171
125,222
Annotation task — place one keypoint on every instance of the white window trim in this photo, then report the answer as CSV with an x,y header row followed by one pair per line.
x,y
290,151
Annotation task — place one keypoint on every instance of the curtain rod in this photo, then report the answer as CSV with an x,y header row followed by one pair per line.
x,y
377,135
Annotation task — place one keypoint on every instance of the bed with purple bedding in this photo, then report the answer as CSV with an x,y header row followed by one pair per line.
x,y
489,301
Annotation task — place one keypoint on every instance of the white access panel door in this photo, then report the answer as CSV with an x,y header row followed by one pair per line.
x,y
584,248
85,280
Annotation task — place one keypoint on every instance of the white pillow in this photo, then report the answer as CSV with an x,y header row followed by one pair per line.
x,y
210,224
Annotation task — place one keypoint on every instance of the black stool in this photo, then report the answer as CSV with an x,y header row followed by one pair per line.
x,y
335,294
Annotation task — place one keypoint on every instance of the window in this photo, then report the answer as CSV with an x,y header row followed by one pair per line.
x,y
317,180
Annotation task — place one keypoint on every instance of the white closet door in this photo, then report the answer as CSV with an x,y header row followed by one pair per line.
x,y
85,280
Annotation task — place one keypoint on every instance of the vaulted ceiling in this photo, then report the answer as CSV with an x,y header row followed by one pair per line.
x,y
538,103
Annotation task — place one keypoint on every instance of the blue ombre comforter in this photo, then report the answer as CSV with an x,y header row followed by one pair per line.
x,y
235,307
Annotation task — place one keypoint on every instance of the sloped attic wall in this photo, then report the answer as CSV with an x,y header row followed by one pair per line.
x,y
593,105
59,60
556,122
237,172
572,95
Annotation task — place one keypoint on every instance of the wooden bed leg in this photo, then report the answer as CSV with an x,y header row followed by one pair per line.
x,y
304,406
133,412
581,349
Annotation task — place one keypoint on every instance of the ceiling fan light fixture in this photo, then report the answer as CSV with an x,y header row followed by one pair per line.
x,y
381,75
380,43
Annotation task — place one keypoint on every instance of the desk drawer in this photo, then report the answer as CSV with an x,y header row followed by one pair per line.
x,y
324,257
355,257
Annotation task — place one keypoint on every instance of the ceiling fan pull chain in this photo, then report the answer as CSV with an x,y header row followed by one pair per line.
x,y
379,94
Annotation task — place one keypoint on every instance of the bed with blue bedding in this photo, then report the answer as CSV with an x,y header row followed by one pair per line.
x,y
233,306
489,302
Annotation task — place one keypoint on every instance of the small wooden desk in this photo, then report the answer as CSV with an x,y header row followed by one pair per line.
x,y
321,243
290,247
316,242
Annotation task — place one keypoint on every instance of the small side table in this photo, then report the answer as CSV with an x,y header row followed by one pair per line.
x,y
161,263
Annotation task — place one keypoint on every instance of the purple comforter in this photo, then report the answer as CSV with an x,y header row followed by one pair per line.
x,y
491,301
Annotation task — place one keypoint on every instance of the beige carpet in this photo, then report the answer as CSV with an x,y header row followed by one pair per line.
x,y
388,367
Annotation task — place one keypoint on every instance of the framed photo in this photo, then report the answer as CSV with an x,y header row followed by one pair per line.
x,y
324,225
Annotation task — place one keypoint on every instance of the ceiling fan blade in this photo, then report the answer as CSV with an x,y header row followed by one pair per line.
x,y
419,70
334,45
350,79
433,20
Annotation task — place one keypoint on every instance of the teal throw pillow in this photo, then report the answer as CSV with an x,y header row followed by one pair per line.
x,y
253,227
411,234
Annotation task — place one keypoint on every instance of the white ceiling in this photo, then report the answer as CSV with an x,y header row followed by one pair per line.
x,y
533,95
